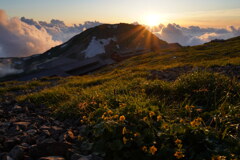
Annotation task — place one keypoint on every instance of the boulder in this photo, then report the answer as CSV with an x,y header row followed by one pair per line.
x,y
17,153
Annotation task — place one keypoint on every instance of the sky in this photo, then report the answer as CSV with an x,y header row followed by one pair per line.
x,y
29,27
205,13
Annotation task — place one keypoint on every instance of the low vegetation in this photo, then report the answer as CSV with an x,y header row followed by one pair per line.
x,y
129,116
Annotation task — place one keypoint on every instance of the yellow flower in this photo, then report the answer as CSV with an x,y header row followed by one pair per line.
x,y
153,150
124,130
181,120
189,108
122,118
151,113
124,140
84,117
219,158
145,118
165,126
179,155
103,116
115,116
159,118
122,105
144,149
196,122
136,134
110,112
178,141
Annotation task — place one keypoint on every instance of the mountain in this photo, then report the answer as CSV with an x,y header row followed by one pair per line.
x,y
92,49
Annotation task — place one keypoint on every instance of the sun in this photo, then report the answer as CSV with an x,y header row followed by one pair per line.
x,y
152,20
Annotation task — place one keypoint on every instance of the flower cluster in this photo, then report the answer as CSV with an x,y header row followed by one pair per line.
x,y
196,122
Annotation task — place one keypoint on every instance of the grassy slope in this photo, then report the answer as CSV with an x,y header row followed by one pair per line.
x,y
128,116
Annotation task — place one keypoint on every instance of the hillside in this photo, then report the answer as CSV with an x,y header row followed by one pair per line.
x,y
164,104
88,51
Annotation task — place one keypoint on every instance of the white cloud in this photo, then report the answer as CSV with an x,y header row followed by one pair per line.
x,y
59,30
195,35
20,39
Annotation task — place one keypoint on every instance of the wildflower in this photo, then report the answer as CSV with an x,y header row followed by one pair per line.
x,y
153,150
159,118
179,155
124,140
103,116
151,113
110,112
178,141
136,134
115,116
144,149
124,130
189,108
122,105
84,117
122,118
196,122
219,158
144,118
181,120
165,126
93,102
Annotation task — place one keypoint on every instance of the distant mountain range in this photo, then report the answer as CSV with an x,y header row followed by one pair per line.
x,y
90,50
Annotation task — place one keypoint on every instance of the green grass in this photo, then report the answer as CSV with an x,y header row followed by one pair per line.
x,y
127,115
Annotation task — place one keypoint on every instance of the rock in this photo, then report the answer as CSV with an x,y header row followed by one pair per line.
x,y
17,109
49,149
76,156
44,127
49,140
1,113
10,143
46,132
17,153
69,136
21,125
52,158
29,140
81,157
31,132
8,158
2,139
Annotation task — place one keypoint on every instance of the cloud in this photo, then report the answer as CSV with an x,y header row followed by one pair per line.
x,y
7,69
59,30
20,39
194,35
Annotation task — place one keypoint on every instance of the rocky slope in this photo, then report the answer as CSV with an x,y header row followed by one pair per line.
x,y
29,132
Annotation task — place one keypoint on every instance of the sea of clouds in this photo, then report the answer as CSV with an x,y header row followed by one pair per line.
x,y
24,37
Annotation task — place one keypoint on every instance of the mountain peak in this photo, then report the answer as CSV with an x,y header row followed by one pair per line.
x,y
94,48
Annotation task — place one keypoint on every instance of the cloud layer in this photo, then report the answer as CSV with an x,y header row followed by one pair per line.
x,y
193,35
59,30
20,39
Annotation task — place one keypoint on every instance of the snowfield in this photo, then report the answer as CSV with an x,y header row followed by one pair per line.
x,y
97,46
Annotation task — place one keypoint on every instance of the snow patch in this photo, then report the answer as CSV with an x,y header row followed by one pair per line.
x,y
97,46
